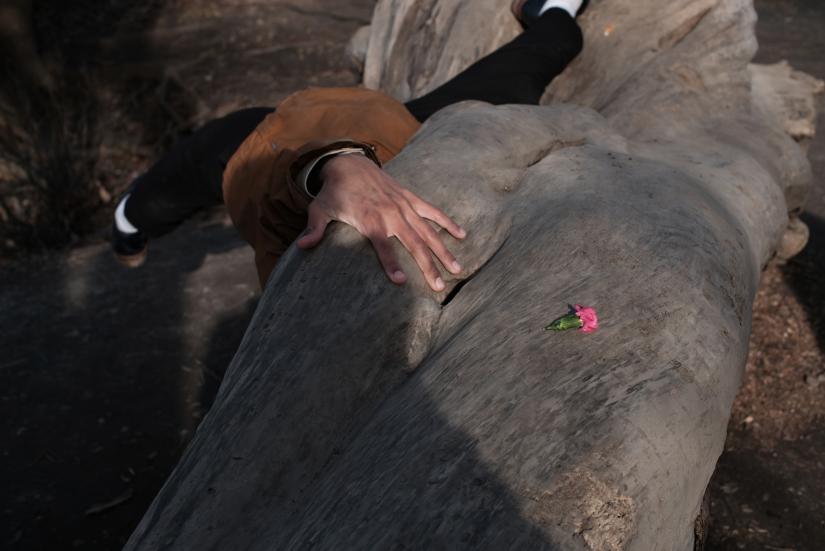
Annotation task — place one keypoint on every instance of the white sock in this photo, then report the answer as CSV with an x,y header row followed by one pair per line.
x,y
121,221
570,6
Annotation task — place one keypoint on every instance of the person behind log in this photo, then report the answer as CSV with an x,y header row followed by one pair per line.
x,y
317,157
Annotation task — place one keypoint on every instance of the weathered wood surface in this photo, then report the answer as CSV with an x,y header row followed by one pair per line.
x,y
791,97
360,415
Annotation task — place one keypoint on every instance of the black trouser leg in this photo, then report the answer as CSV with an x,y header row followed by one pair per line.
x,y
518,72
189,177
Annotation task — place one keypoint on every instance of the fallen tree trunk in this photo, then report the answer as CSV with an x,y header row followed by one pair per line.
x,y
360,415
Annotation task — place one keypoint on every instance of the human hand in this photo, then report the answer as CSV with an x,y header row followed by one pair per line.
x,y
359,193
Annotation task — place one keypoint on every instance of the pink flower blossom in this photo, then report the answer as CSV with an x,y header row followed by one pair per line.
x,y
589,320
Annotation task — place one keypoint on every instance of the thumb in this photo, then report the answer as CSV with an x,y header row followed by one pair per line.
x,y
316,225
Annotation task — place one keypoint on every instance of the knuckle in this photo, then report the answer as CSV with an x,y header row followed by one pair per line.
x,y
377,237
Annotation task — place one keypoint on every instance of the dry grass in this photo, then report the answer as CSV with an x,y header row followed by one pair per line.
x,y
48,156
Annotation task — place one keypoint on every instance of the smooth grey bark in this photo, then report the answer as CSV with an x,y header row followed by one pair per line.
x,y
361,415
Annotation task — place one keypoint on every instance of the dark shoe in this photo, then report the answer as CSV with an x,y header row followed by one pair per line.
x,y
527,11
129,248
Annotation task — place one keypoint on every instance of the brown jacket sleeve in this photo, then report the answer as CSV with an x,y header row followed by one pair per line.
x,y
264,201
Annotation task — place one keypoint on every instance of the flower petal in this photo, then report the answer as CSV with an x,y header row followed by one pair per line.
x,y
590,322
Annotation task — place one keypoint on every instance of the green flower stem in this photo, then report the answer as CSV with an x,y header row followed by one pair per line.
x,y
569,321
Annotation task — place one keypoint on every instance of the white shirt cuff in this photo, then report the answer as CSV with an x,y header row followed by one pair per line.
x,y
303,175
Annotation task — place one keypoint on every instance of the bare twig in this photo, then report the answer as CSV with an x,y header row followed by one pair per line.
x,y
12,363
106,506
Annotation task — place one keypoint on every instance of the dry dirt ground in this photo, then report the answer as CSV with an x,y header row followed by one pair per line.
x,y
106,372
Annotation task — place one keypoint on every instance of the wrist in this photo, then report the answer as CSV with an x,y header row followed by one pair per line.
x,y
318,171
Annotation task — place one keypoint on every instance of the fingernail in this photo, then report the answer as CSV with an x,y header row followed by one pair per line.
x,y
399,276
439,284
462,232
456,266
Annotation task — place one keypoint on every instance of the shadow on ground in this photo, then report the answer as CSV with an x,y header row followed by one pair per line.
x,y
805,274
107,374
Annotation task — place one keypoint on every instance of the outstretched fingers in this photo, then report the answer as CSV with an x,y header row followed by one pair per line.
x,y
434,243
360,194
420,251
430,212
386,256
